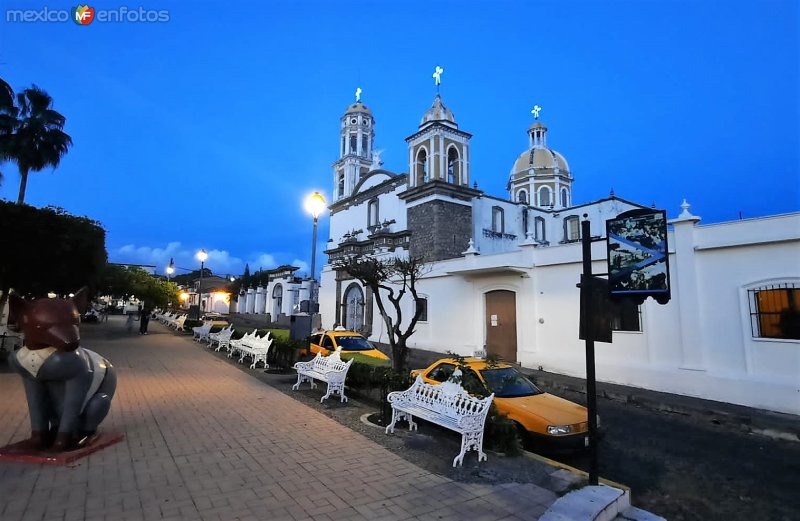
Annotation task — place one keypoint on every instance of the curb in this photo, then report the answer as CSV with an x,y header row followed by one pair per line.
x,y
597,502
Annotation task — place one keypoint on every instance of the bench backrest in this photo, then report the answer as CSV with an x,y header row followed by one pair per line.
x,y
448,398
258,341
179,322
330,363
223,334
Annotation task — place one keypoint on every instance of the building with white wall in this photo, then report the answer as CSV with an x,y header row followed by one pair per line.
x,y
503,271
279,298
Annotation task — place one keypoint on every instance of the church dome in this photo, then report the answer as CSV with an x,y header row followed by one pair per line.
x,y
438,112
541,160
358,107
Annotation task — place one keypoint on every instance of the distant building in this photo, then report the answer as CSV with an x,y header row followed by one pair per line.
x,y
279,299
215,295
504,270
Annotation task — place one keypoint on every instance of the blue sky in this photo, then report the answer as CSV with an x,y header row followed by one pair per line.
x,y
207,131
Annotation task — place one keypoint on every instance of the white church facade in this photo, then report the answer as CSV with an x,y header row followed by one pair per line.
x,y
503,271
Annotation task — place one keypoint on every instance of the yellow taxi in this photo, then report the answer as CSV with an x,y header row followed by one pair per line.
x,y
540,417
348,341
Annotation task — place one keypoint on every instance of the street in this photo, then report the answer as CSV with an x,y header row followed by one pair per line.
x,y
688,469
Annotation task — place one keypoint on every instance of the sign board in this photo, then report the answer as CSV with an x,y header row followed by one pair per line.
x,y
595,317
638,257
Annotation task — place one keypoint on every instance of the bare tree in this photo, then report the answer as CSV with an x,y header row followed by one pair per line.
x,y
392,279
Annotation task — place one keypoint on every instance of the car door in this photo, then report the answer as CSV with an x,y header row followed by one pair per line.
x,y
314,341
327,344
439,373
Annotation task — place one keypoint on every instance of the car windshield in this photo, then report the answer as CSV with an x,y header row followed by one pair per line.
x,y
353,343
507,382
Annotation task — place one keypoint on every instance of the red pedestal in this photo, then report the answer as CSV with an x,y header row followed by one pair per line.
x,y
18,453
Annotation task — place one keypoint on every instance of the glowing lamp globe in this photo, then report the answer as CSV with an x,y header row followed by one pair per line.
x,y
315,204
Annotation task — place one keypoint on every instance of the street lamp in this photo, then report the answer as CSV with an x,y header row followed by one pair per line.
x,y
170,268
315,204
202,256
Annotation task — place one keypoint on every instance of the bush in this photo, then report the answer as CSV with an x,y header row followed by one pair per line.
x,y
500,433
284,352
189,324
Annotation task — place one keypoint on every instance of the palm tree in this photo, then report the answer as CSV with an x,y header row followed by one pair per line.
x,y
37,139
8,117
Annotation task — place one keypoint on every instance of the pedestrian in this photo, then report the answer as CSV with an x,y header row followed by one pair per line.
x,y
129,323
144,319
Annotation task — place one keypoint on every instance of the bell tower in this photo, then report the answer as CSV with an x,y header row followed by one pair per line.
x,y
356,143
438,150
439,198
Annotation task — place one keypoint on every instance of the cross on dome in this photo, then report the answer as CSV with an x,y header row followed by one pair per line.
x,y
535,111
358,94
437,76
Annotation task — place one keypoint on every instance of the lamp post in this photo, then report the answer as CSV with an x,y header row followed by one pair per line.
x,y
170,268
315,204
202,256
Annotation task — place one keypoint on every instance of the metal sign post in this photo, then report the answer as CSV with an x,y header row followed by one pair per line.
x,y
591,386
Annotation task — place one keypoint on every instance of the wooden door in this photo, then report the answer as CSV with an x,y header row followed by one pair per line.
x,y
501,324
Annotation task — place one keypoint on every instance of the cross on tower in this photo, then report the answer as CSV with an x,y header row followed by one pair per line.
x,y
437,76
535,111
358,94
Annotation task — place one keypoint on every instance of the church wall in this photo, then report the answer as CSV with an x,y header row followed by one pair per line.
x,y
355,217
439,229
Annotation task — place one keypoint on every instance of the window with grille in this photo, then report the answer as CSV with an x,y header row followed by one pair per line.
x,y
775,311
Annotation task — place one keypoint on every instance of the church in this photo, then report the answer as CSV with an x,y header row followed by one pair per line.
x,y
503,269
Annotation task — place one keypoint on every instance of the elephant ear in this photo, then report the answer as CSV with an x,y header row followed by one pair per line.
x,y
81,299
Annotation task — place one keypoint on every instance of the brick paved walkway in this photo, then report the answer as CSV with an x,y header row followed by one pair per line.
x,y
207,441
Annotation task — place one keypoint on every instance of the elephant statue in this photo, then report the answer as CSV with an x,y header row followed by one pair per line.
x,y
68,388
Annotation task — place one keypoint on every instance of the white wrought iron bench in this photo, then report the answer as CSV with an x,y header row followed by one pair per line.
x,y
233,344
446,404
221,338
329,369
177,323
255,347
200,333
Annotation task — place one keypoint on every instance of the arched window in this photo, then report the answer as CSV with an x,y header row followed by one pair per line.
x,y
373,217
572,229
353,143
522,196
539,230
277,301
340,190
564,197
544,197
354,308
498,224
453,173
364,146
422,166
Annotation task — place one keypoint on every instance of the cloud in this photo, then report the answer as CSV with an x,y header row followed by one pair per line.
x,y
262,261
221,262
303,265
